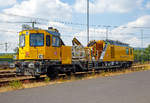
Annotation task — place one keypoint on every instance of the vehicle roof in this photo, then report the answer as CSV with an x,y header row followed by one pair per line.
x,y
40,30
113,42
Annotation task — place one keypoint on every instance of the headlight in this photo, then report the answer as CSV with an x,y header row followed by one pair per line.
x,y
41,56
31,65
12,65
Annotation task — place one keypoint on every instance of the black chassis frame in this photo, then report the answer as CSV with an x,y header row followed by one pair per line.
x,y
50,66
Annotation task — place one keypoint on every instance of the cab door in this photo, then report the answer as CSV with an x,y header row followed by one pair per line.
x,y
52,47
56,47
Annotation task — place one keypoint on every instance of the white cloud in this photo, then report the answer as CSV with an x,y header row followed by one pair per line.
x,y
47,9
133,35
128,35
135,38
100,6
7,3
148,5
41,8
58,9
142,21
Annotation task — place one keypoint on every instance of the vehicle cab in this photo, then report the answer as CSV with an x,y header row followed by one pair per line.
x,y
39,44
38,49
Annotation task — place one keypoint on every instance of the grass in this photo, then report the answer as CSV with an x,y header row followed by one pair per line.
x,y
7,69
47,81
16,84
6,56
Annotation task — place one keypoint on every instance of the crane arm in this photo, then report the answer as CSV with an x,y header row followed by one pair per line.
x,y
75,41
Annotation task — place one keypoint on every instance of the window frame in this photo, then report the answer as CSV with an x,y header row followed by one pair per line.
x,y
36,45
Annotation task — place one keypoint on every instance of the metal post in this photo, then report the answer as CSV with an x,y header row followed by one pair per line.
x,y
33,24
141,44
87,21
6,47
107,27
106,33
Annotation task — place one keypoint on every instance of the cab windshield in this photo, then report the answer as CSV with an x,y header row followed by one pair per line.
x,y
36,39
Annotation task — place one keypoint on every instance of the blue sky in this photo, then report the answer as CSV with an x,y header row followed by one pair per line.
x,y
71,2
105,18
59,13
115,18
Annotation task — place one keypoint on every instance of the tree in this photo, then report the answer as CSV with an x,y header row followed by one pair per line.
x,y
141,55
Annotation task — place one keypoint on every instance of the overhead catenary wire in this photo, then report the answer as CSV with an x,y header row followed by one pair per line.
x,y
60,20
75,28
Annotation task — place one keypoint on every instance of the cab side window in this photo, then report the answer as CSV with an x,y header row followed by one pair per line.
x,y
131,51
47,40
55,41
127,51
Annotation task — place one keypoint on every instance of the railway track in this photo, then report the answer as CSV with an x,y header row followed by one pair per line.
x,y
7,73
23,80
7,76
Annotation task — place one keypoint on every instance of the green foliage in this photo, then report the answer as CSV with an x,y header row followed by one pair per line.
x,y
142,55
103,73
16,84
47,79
7,57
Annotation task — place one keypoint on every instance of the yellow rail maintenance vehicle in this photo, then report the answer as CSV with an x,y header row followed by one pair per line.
x,y
43,52
111,53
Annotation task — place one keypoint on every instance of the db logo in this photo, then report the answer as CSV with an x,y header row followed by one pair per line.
x,y
55,53
27,53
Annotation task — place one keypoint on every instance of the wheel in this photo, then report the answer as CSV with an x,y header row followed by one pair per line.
x,y
52,73
37,76
69,73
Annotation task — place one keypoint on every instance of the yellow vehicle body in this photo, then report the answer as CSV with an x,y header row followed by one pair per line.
x,y
118,53
113,52
66,57
28,52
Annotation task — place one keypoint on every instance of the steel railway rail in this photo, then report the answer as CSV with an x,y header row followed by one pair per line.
x,y
5,80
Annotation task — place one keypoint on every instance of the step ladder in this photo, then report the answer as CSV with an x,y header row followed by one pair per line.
x,y
90,65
